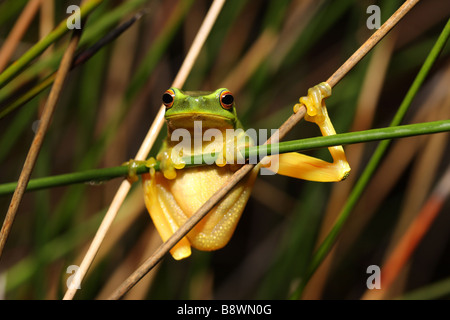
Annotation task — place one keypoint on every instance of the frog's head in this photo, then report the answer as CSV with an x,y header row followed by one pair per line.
x,y
215,109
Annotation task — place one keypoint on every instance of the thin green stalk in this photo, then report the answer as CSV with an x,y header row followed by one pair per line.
x,y
15,68
360,185
80,59
96,176
94,30
356,137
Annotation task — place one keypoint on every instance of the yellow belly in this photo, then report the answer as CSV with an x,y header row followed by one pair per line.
x,y
180,198
195,186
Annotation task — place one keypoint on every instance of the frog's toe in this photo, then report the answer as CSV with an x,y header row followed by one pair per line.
x,y
132,168
221,160
167,165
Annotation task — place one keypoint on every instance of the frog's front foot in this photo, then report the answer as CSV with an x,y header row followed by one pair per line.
x,y
226,156
316,110
134,164
170,160
233,150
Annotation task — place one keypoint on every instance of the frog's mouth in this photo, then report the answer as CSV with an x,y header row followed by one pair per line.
x,y
207,121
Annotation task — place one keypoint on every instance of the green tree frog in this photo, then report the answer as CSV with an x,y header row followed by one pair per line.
x,y
175,192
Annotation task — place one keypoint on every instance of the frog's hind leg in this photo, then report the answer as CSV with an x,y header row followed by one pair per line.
x,y
301,166
158,207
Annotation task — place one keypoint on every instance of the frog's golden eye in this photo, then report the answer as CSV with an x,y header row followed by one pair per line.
x,y
168,98
226,99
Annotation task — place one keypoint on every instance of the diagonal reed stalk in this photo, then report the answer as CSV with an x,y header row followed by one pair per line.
x,y
17,32
239,174
147,143
33,152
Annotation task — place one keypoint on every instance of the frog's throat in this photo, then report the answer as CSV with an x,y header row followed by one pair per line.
x,y
190,120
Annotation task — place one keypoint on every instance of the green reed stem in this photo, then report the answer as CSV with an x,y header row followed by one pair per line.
x,y
96,176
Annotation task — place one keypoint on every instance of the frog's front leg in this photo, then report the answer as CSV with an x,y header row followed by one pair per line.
x,y
301,166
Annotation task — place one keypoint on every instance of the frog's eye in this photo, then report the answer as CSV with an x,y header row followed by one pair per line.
x,y
226,99
168,98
